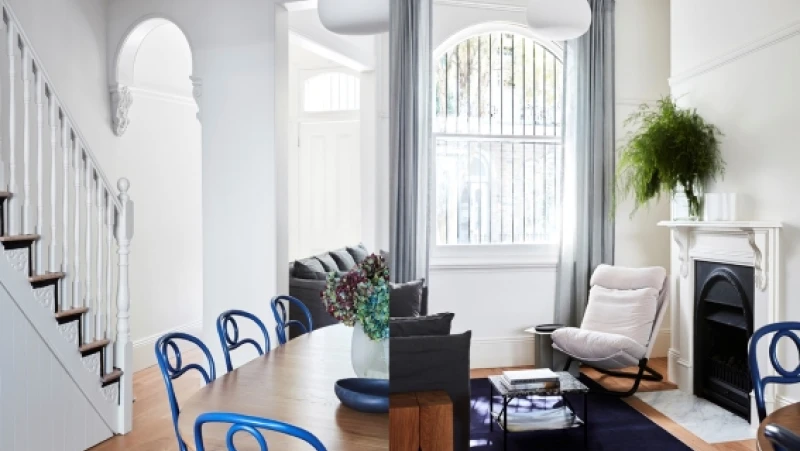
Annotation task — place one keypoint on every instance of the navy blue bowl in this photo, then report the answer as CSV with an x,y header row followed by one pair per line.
x,y
364,395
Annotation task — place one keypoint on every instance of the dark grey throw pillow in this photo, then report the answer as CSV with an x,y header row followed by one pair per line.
x,y
405,299
359,253
343,259
438,324
309,268
327,262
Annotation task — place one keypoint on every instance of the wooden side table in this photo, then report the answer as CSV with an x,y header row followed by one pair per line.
x,y
421,421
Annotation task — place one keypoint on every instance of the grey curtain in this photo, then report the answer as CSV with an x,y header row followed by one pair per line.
x,y
410,138
587,229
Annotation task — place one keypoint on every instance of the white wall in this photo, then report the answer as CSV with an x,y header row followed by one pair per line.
x,y
643,63
235,45
742,77
162,156
497,302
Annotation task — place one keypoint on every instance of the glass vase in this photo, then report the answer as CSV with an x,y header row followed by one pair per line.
x,y
370,358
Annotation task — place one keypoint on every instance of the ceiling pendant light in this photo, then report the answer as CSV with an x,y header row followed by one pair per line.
x,y
559,20
355,16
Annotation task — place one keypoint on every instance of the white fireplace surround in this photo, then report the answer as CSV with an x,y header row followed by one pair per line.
x,y
746,243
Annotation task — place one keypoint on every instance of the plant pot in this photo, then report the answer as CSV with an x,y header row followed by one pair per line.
x,y
370,358
681,209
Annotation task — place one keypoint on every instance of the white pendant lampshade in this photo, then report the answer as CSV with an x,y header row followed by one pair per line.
x,y
355,16
559,20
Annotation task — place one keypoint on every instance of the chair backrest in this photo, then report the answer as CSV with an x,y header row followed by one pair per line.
x,y
781,438
783,376
171,372
622,278
281,317
227,319
251,425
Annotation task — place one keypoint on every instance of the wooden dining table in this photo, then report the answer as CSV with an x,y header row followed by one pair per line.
x,y
293,383
788,417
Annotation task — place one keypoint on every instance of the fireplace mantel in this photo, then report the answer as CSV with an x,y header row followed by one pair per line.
x,y
745,243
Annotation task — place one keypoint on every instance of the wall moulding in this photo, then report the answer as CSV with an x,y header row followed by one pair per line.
x,y
121,101
786,32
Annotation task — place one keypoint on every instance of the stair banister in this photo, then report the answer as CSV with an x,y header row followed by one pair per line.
x,y
12,131
26,140
39,254
124,347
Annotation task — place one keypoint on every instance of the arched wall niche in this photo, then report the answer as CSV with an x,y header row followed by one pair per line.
x,y
122,71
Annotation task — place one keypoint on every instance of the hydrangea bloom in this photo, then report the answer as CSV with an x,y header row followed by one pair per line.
x,y
361,295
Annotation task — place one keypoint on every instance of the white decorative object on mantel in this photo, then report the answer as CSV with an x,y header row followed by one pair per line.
x,y
121,101
720,207
355,17
746,243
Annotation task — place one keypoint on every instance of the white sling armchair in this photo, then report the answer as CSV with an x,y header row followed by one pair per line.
x,y
625,310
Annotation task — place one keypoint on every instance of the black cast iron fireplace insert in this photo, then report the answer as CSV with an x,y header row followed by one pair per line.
x,y
723,325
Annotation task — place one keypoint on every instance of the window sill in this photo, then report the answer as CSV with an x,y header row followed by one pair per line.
x,y
494,256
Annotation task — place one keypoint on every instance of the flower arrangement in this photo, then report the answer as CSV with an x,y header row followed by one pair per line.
x,y
361,295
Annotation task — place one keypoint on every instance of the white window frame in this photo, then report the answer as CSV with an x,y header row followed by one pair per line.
x,y
306,74
444,257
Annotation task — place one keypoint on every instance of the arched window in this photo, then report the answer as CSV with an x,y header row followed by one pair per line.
x,y
497,132
330,92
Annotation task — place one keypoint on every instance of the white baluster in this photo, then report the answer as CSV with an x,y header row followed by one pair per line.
x,y
39,171
93,308
123,345
109,237
53,267
99,333
77,302
13,203
26,142
65,137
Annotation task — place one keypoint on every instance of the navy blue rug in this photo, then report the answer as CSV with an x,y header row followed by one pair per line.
x,y
613,426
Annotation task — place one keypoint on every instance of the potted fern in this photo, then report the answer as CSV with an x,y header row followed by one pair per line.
x,y
669,150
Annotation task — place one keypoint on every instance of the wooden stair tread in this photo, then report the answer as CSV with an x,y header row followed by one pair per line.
x,y
71,312
18,238
46,277
5,195
93,347
111,377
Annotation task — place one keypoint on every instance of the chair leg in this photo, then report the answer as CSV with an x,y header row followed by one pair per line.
x,y
638,377
568,364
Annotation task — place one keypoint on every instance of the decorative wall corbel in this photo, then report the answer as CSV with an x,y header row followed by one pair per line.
x,y
758,261
121,101
197,93
681,238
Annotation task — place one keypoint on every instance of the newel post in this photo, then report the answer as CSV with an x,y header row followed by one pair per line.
x,y
124,346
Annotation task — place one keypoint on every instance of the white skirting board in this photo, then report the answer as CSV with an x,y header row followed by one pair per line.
x,y
500,352
144,355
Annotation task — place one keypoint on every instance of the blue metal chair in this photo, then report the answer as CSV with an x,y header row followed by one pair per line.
x,y
171,372
283,323
785,329
250,425
229,343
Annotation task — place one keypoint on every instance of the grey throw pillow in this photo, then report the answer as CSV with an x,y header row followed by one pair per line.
x,y
327,262
309,268
343,259
405,299
438,324
359,253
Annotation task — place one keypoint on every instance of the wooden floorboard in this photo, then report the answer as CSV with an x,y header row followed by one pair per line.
x,y
660,365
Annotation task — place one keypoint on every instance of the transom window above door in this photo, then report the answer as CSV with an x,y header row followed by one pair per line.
x,y
331,91
498,100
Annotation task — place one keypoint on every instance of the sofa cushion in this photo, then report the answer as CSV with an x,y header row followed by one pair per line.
x,y
405,299
309,268
359,253
344,261
327,262
630,313
438,324
600,349
435,363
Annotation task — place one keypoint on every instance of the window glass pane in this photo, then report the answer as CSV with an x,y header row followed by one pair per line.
x,y
499,187
331,91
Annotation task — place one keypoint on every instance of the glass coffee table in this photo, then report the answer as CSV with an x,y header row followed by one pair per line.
x,y
567,384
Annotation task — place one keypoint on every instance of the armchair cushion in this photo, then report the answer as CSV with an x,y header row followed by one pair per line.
x,y
600,349
630,313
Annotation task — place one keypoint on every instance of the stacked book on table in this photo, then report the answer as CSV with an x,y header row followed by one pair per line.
x,y
538,379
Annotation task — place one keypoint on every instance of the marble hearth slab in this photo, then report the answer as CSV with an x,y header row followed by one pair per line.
x,y
708,421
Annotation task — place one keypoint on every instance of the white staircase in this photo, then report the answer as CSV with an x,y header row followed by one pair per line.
x,y
66,368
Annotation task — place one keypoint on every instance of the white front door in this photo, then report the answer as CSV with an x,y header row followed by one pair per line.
x,y
325,188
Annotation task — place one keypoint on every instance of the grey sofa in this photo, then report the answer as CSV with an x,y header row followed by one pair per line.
x,y
307,282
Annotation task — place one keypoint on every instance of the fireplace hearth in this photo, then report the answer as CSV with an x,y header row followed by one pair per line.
x,y
723,326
